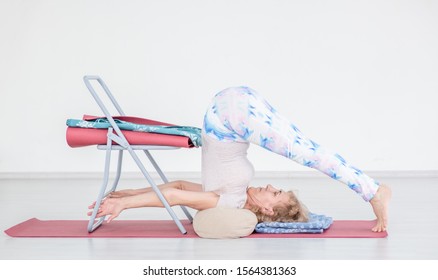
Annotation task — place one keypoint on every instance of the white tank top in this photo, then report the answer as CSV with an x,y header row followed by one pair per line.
x,y
226,170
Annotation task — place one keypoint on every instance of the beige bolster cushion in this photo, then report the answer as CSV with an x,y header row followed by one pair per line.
x,y
224,223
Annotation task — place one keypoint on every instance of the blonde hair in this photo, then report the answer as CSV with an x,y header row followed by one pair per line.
x,y
292,211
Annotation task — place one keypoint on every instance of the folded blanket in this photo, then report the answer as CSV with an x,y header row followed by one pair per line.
x,y
193,133
316,224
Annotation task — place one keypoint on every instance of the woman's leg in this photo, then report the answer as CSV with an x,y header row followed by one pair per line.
x,y
240,114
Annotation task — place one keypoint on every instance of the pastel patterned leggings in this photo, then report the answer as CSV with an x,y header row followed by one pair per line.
x,y
241,114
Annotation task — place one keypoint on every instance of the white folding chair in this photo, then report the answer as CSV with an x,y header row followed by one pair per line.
x,y
116,141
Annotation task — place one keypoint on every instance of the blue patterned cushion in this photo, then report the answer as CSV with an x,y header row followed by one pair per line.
x,y
316,224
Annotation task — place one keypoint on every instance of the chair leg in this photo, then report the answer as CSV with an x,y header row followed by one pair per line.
x,y
119,172
165,180
92,223
157,190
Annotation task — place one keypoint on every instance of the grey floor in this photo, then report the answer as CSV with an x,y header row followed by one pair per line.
x,y
412,230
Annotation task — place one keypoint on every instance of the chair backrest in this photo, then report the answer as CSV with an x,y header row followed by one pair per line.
x,y
119,138
87,80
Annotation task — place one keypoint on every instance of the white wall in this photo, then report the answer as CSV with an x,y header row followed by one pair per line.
x,y
360,77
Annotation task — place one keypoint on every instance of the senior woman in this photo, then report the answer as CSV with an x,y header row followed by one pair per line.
x,y
236,117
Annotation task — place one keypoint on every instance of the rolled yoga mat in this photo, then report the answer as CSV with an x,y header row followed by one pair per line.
x,y
81,137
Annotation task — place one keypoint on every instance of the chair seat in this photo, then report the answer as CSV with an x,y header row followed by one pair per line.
x,y
137,147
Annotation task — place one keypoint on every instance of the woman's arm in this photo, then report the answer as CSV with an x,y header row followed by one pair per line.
x,y
193,199
179,184
174,196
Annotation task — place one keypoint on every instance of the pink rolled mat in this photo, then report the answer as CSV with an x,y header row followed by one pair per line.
x,y
168,229
80,137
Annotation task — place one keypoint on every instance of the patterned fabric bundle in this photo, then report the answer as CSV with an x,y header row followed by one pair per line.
x,y
193,133
316,224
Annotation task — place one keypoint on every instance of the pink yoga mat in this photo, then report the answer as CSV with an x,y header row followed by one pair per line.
x,y
168,229
80,137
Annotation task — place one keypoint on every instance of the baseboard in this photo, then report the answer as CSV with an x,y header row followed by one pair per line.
x,y
197,175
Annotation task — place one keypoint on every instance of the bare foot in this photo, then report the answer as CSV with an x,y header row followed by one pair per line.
x,y
109,206
380,207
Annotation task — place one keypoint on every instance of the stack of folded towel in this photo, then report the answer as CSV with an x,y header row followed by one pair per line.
x,y
316,224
